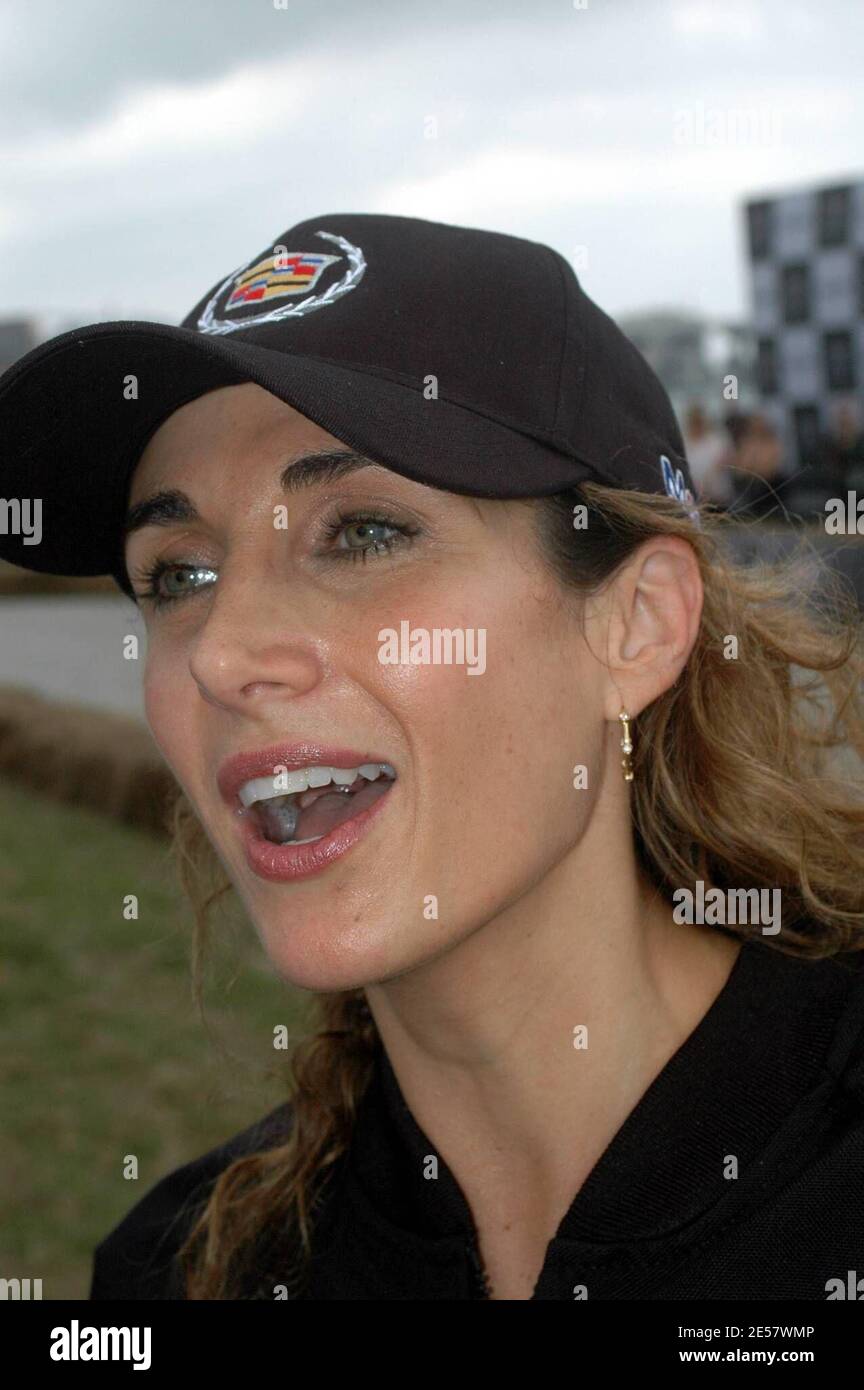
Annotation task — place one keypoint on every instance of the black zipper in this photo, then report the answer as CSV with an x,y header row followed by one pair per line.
x,y
482,1283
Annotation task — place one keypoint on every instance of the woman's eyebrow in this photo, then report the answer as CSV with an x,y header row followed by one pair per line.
x,y
324,466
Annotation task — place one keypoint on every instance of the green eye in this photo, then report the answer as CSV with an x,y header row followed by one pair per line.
x,y
363,526
363,529
168,582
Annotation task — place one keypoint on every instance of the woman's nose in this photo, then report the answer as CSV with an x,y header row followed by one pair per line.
x,y
248,651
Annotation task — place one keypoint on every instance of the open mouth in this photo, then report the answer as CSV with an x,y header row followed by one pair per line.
x,y
300,807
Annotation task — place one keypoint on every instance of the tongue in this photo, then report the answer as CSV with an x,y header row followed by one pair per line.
x,y
334,808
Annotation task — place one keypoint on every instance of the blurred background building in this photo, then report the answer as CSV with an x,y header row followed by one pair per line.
x,y
771,404
693,354
806,251
17,337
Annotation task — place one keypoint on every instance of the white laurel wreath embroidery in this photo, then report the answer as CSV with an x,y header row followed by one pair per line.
x,y
353,275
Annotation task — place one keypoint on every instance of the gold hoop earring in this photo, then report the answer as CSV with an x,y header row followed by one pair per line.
x,y
626,746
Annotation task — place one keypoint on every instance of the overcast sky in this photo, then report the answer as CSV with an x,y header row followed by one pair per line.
x,y
148,147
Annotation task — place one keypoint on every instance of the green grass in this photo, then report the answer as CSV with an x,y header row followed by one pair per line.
x,y
102,1052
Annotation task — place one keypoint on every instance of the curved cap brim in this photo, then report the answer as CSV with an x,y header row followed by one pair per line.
x,y
72,430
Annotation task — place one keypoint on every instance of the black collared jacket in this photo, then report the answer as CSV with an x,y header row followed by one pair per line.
x,y
770,1085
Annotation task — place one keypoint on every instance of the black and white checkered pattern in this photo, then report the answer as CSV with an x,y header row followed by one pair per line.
x,y
807,284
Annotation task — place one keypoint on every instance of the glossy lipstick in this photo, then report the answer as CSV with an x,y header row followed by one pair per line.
x,y
284,863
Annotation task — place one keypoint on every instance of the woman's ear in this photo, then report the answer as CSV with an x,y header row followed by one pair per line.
x,y
655,609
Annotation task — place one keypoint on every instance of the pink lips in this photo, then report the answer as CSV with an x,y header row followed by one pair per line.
x,y
281,863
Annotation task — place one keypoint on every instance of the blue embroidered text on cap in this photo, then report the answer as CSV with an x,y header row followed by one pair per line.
x,y
673,481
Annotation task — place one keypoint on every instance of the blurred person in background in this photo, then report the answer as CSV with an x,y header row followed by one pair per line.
x,y
843,448
708,455
755,462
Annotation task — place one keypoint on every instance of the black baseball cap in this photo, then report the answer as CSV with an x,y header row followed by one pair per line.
x,y
464,359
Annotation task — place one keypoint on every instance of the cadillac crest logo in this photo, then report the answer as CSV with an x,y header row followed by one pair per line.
x,y
277,276
284,275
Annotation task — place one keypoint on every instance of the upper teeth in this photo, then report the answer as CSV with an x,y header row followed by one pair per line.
x,y
286,783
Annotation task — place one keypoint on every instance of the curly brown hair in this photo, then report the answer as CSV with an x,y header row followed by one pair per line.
x,y
744,775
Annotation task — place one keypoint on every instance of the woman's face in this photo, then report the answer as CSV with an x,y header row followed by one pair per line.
x,y
271,637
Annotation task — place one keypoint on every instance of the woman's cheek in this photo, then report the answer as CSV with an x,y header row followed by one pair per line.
x,y
163,707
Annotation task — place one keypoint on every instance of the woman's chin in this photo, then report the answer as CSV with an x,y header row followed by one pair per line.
x,y
321,953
